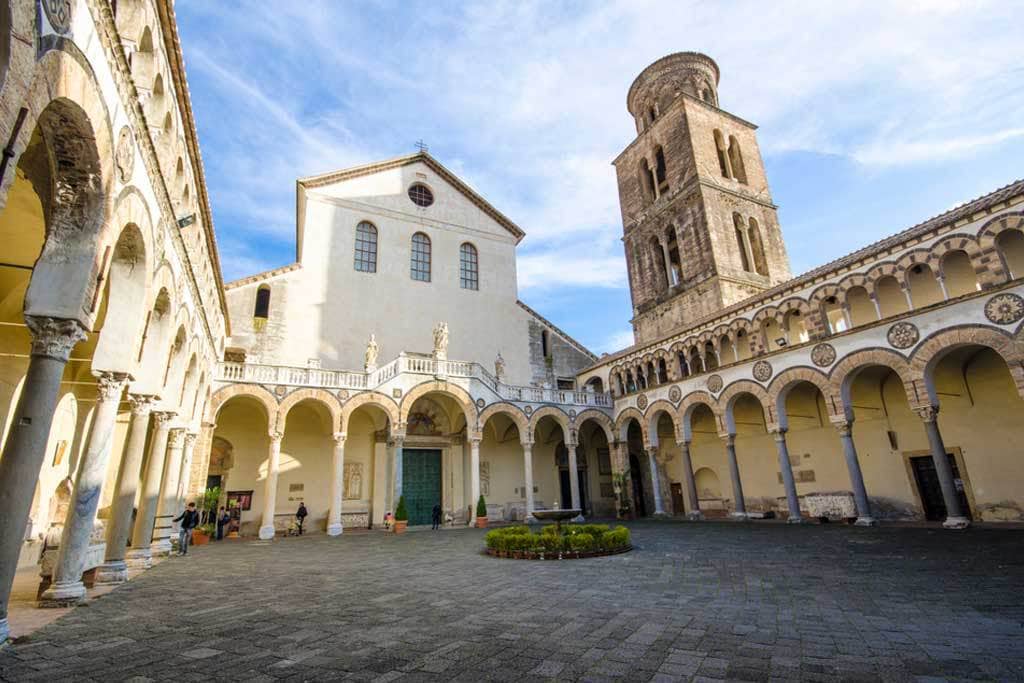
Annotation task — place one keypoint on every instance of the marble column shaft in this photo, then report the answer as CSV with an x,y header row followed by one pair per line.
x,y
334,525
955,517
25,448
67,586
652,463
860,493
734,473
270,488
397,469
140,553
528,477
114,569
788,482
474,473
167,505
574,480
691,483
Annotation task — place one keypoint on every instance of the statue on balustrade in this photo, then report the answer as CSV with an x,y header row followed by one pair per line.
x,y
441,341
372,351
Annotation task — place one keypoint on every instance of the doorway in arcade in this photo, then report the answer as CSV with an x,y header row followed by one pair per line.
x,y
421,483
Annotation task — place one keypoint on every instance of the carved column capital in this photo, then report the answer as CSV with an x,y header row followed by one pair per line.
x,y
190,439
176,438
844,427
54,337
339,438
527,443
779,434
730,439
927,413
162,417
142,404
275,437
109,385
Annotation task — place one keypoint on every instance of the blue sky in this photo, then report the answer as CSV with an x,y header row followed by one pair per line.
x,y
872,117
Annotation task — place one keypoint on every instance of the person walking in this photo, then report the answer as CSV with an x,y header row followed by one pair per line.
x,y
435,517
301,515
189,520
223,519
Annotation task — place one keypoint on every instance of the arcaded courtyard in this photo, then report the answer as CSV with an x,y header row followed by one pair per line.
x,y
756,602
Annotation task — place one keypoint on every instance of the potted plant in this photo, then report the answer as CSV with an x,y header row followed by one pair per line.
x,y
401,516
481,513
201,535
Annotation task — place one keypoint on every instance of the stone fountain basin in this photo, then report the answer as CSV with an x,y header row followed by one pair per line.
x,y
556,515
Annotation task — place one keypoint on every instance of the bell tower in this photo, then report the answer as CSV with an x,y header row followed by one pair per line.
x,y
699,227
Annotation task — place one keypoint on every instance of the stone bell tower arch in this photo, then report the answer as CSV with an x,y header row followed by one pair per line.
x,y
700,230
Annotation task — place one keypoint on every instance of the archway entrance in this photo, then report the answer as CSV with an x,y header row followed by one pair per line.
x,y
421,482
636,475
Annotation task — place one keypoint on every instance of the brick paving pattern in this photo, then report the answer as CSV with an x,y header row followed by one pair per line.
x,y
749,602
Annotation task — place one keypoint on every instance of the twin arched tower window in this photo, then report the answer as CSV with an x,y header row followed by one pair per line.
x,y
730,158
749,245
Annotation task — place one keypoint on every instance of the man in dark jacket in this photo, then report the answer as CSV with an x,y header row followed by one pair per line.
x,y
435,516
223,518
189,520
301,516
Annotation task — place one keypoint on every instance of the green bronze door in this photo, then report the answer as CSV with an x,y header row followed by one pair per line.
x,y
421,483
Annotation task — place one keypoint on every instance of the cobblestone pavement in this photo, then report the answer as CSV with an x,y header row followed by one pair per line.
x,y
755,602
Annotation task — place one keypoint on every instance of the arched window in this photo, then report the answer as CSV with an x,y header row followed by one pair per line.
x,y
660,171
646,180
741,242
366,248
419,266
723,158
545,348
262,308
736,160
757,247
469,267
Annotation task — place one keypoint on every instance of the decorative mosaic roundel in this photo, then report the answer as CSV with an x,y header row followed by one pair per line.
x,y
480,403
572,414
58,13
1005,308
124,157
715,383
641,401
823,355
762,371
674,394
903,335
342,394
280,391
528,410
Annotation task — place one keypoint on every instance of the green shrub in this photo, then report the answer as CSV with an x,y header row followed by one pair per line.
x,y
615,538
552,543
594,530
581,542
401,513
549,529
481,507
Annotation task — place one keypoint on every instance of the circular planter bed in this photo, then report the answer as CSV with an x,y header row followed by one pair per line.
x,y
558,542
564,555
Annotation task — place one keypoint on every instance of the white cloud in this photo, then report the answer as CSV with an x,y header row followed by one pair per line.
x,y
898,152
617,341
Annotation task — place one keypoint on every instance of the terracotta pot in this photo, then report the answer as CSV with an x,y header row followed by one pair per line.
x,y
400,526
199,538
481,522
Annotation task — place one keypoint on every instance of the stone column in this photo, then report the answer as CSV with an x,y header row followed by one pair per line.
x,y
788,482
878,307
334,526
955,518
25,450
181,496
942,286
668,263
652,462
528,477
860,494
574,481
141,555
270,489
734,472
167,503
114,569
691,484
474,474
397,469
67,587
906,295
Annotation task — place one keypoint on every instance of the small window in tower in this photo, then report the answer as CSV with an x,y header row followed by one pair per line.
x,y
421,195
741,242
736,160
723,159
544,348
757,248
646,180
660,171
652,115
262,308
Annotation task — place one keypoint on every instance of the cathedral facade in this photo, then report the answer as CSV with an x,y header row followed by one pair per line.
x,y
393,357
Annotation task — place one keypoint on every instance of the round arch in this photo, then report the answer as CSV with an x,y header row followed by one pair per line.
x,y
559,416
512,412
846,370
453,391
264,397
600,418
727,399
784,382
653,414
937,346
690,403
622,424
370,398
321,396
